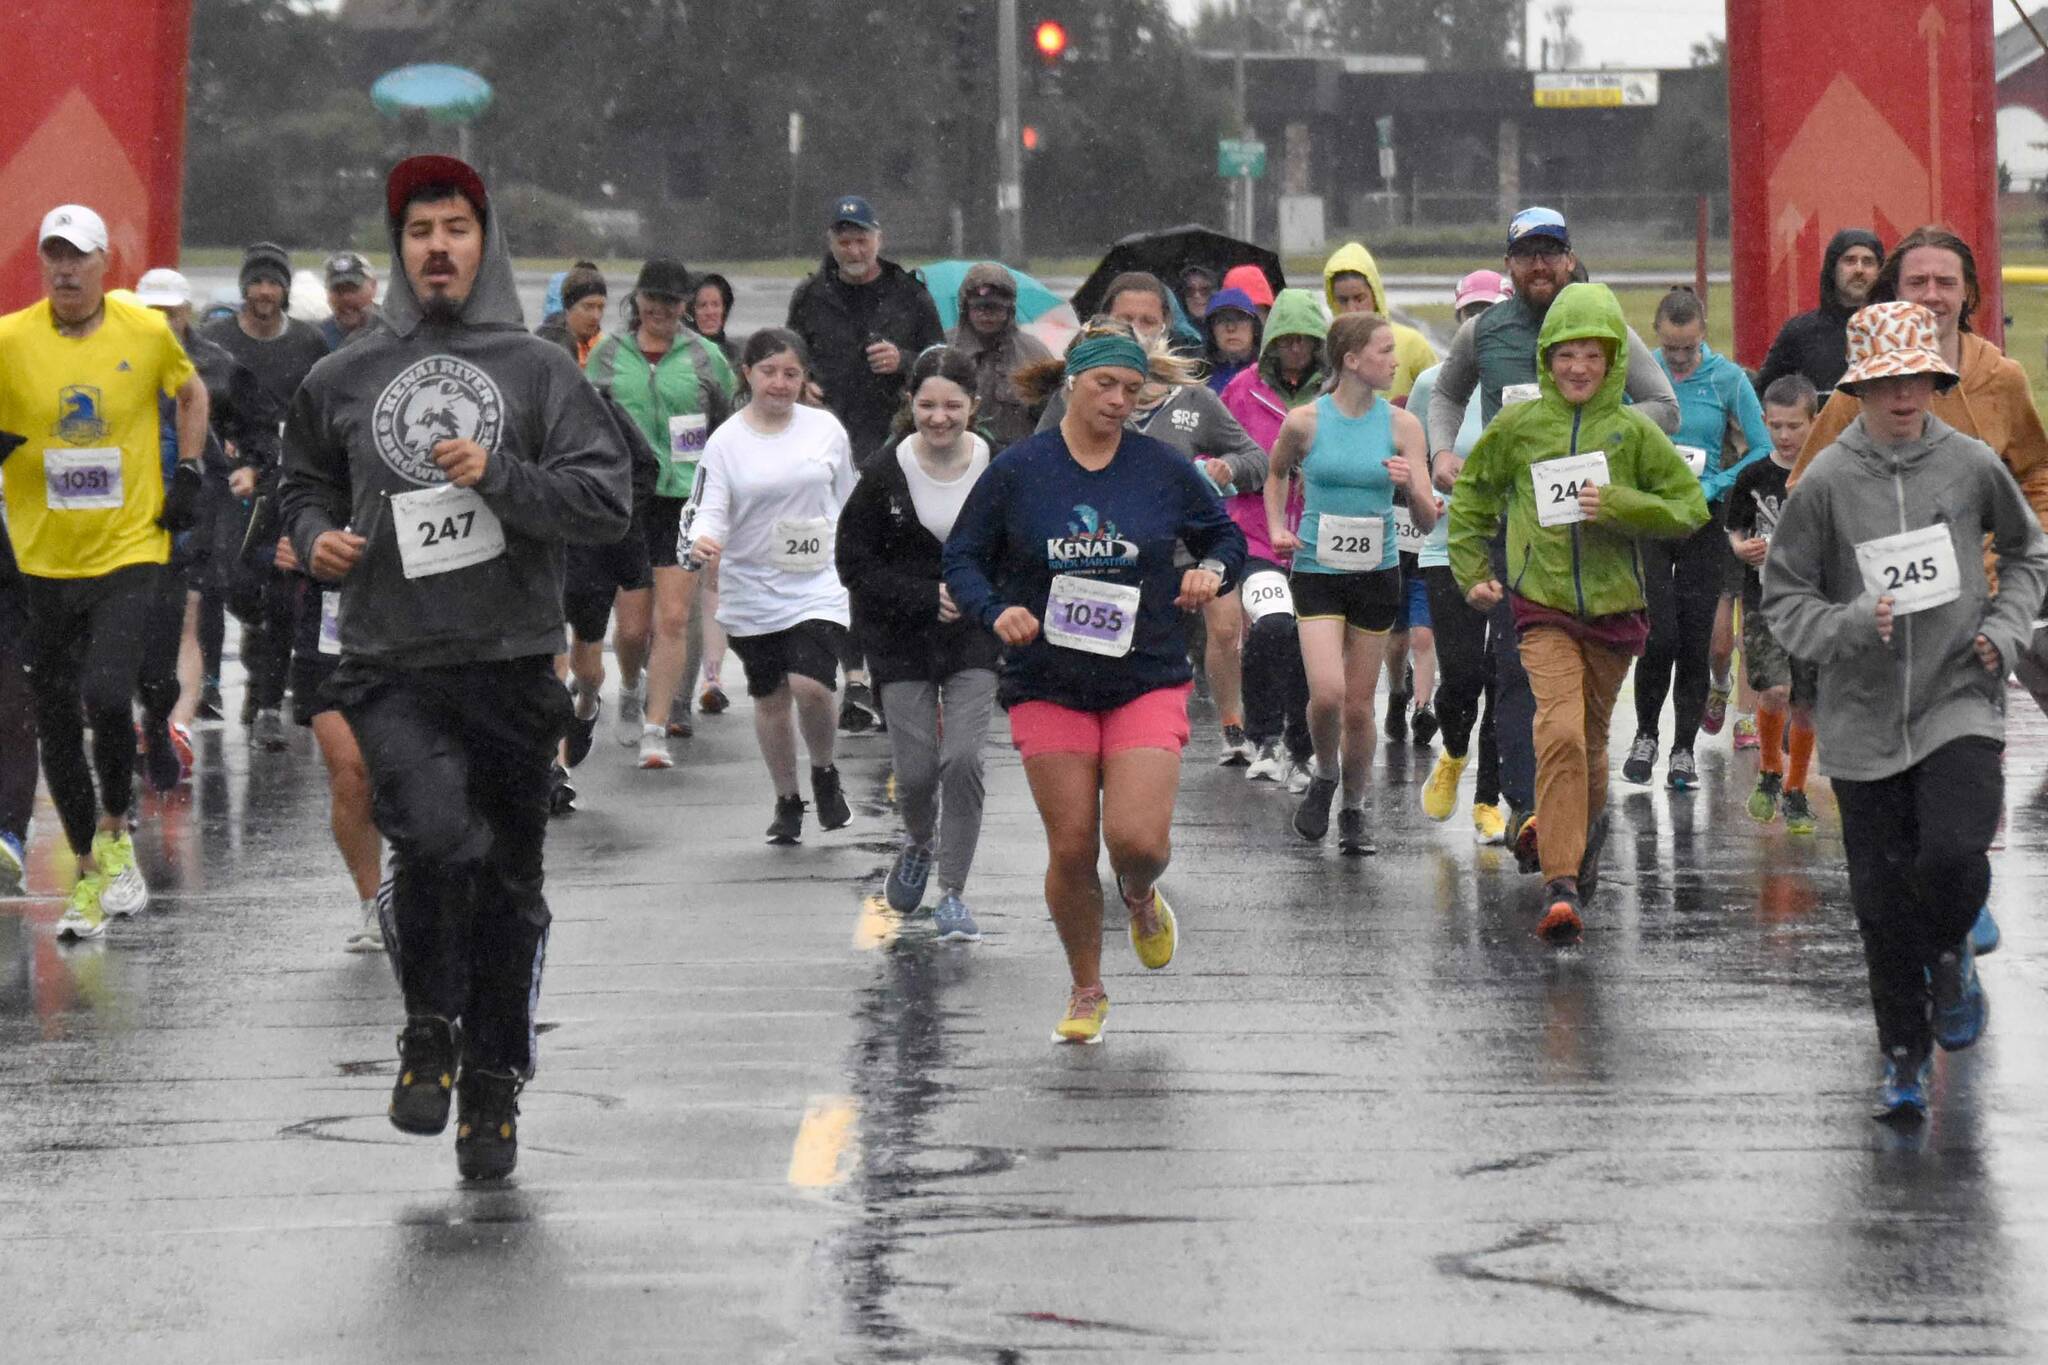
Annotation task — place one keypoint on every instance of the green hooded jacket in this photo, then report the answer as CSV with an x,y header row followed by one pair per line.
x,y
692,377
1295,313
1590,569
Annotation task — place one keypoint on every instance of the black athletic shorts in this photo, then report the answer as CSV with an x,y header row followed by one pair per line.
x,y
809,649
664,524
594,574
310,668
1364,601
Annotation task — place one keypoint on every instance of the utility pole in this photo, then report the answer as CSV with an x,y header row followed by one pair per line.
x,y
1245,226
1009,129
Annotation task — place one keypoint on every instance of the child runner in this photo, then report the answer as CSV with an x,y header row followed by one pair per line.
x,y
1580,479
1779,680
1876,575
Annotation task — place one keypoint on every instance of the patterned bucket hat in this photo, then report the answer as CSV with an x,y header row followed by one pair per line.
x,y
1887,340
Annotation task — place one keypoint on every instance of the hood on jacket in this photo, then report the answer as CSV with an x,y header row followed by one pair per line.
x,y
985,275
493,297
1232,300
1296,313
1352,258
1838,244
1581,311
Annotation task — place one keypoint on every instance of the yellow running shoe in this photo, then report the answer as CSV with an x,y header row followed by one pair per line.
x,y
1440,793
83,917
1154,947
1489,825
125,892
1087,1009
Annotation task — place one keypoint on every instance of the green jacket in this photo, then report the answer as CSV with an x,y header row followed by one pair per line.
x,y
1295,313
1592,568
675,387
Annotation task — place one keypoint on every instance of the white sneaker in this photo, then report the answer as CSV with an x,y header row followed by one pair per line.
x,y
1269,766
654,747
370,937
632,711
1300,775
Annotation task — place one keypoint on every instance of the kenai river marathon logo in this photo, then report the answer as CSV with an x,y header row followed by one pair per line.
x,y
1090,543
438,399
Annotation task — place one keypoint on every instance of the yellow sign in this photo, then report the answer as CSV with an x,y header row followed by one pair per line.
x,y
1595,89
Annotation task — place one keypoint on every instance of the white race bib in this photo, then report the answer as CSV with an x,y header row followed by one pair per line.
x,y
687,433
1520,393
444,528
1408,537
1916,569
1090,615
1266,594
1695,459
1557,484
82,480
330,622
1352,544
802,545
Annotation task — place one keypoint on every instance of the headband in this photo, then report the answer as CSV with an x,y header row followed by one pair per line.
x,y
1099,351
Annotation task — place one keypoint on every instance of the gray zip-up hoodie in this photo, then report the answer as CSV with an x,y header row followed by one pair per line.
x,y
1884,707
1193,420
362,429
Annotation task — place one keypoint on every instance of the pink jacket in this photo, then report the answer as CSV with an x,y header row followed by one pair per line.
x,y
1259,409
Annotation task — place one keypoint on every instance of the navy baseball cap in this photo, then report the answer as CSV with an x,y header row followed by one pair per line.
x,y
1538,222
855,210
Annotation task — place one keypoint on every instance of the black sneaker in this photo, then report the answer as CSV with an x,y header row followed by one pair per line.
x,y
426,1075
788,825
582,734
1312,816
833,812
1641,760
1351,834
1397,715
1522,839
679,726
857,713
561,795
160,760
1424,725
487,1124
209,702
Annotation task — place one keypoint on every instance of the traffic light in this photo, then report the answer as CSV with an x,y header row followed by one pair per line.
x,y
1030,138
1050,38
967,49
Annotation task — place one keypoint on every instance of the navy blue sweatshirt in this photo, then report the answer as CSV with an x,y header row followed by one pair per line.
x,y
1037,513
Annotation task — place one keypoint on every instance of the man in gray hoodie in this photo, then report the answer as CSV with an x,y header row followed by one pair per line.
x,y
435,468
1876,574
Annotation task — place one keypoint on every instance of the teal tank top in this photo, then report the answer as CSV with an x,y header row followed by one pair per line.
x,y
1345,475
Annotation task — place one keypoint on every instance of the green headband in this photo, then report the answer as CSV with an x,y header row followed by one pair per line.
x,y
1098,351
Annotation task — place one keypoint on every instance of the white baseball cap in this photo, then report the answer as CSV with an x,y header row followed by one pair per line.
x,y
163,288
76,224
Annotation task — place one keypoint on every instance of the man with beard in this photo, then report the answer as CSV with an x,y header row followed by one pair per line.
x,y
279,351
1816,344
1495,354
351,298
435,469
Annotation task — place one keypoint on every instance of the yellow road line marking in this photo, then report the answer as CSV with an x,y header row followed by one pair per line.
x,y
877,925
823,1154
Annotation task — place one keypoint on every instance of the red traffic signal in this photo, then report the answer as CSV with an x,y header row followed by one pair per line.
x,y
1030,138
1050,37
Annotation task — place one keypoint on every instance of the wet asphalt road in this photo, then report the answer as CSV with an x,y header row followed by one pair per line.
x,y
1364,1113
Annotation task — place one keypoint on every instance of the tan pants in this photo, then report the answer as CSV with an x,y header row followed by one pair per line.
x,y
1575,686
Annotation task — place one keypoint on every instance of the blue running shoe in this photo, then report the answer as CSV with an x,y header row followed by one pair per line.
x,y
1984,933
953,923
905,888
1960,1005
1902,1094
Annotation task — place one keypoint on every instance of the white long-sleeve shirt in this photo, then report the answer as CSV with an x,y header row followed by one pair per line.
x,y
764,499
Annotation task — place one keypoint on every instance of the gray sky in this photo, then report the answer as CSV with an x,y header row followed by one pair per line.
x,y
1641,33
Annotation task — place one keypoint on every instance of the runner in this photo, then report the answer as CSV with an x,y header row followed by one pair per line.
x,y
769,494
678,389
1876,575
1356,454
88,511
1065,549
1575,517
1684,579
1233,326
434,468
1781,682
1465,640
934,670
585,296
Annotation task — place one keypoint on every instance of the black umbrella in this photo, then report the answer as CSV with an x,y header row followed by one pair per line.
x,y
1169,251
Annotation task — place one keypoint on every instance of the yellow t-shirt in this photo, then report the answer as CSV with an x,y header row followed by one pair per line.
x,y
83,494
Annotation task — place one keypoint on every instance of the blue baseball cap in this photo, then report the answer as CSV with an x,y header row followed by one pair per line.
x,y
1538,222
853,209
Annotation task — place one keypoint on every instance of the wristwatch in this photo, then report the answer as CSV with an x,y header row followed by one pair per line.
x,y
1214,566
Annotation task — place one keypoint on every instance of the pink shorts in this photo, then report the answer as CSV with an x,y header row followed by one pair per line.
x,y
1157,720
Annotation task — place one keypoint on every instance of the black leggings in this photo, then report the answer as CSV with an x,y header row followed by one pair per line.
x,y
17,742
1918,873
1275,680
1464,653
162,638
459,776
1682,580
85,638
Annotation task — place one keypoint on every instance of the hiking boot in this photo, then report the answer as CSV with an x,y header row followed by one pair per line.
x,y
487,1124
426,1075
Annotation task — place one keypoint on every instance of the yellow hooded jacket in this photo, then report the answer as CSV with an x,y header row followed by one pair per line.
x,y
1411,349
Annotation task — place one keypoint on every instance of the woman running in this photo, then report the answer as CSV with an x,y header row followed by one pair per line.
x,y
1355,451
934,669
1066,550
768,497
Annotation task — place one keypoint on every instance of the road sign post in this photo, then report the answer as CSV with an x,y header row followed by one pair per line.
x,y
1242,159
